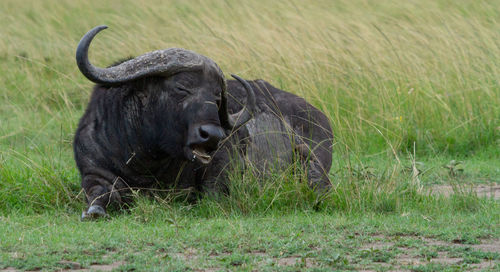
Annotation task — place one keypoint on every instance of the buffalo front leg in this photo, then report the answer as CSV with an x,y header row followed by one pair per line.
x,y
100,192
316,173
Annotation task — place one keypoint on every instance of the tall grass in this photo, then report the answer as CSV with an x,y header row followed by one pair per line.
x,y
353,191
390,75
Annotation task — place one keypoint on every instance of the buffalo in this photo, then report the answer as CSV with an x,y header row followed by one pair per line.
x,y
170,119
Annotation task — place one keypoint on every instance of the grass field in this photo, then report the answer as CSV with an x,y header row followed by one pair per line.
x,y
412,89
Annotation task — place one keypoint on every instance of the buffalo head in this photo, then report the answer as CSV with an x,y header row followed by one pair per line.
x,y
180,105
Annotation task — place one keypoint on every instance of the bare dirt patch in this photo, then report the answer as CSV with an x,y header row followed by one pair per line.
x,y
485,245
207,270
443,259
377,245
188,254
8,269
259,253
377,242
76,267
482,190
488,246
407,259
103,267
411,257
295,260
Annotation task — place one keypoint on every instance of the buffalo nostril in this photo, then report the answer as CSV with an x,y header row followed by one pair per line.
x,y
204,134
208,136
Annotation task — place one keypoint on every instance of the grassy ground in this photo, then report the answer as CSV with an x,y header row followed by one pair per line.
x,y
165,241
411,89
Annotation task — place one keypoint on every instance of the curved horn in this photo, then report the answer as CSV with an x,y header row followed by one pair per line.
x,y
238,119
161,62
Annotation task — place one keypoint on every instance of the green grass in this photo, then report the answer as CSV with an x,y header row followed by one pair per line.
x,y
173,239
411,88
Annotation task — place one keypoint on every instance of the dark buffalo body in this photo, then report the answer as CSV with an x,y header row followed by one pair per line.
x,y
284,125
169,119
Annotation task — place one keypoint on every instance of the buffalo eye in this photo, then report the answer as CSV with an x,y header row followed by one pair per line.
x,y
182,91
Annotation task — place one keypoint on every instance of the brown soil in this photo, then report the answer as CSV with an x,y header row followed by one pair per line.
x,y
295,260
76,267
410,257
482,190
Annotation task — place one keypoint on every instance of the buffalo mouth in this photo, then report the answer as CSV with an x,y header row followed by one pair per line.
x,y
202,142
200,154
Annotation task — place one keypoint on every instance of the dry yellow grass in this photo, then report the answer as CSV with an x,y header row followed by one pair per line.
x,y
387,73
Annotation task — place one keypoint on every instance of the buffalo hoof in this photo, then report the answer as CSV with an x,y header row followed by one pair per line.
x,y
94,212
